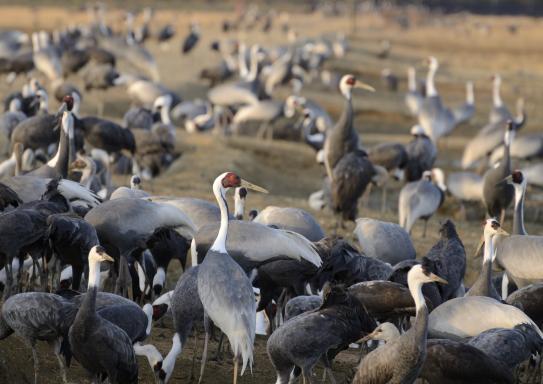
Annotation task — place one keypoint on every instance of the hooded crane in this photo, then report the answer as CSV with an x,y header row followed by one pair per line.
x,y
224,288
136,322
101,347
421,199
58,165
509,346
483,285
497,194
421,154
350,178
318,335
435,119
343,138
192,39
449,258
401,360
451,362
71,239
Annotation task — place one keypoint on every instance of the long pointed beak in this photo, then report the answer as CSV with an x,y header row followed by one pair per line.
x,y
63,107
369,336
106,257
438,279
254,187
362,85
508,180
502,231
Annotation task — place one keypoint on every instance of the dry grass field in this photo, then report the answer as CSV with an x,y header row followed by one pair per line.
x,y
466,52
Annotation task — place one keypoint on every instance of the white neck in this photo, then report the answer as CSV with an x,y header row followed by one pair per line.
x,y
94,274
415,287
165,115
254,65
44,104
149,351
470,96
411,80
430,85
160,277
496,97
220,242
169,361
148,310
346,91
489,250
239,207
243,70
67,125
76,107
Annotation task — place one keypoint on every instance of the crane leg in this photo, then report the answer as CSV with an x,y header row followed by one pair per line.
x,y
204,358
425,227
236,364
194,353
56,347
9,280
36,363
384,199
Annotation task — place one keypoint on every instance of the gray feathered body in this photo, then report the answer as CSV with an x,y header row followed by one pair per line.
x,y
100,346
418,200
306,338
351,175
388,155
301,304
187,308
129,318
37,131
228,299
343,138
421,156
453,362
385,241
509,346
498,195
39,316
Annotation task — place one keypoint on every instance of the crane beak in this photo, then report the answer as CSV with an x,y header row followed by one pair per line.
x,y
254,187
438,279
106,257
368,337
502,232
508,180
362,85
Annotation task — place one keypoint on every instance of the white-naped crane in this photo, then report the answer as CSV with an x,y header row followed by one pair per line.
x,y
224,288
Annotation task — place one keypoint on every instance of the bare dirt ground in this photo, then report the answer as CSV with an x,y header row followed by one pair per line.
x,y
466,51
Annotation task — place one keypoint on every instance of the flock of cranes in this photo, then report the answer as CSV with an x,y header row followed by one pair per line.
x,y
84,265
